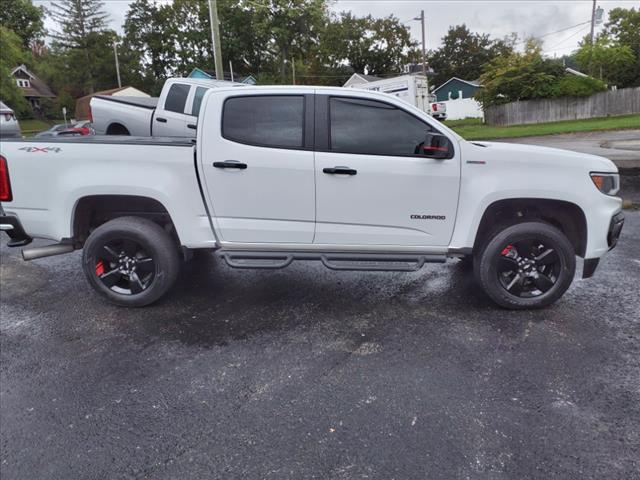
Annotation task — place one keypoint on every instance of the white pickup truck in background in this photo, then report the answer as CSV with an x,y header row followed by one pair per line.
x,y
356,180
173,114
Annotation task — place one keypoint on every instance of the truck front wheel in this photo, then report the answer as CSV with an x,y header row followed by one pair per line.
x,y
525,266
131,261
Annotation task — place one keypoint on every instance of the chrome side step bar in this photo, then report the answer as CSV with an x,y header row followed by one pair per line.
x,y
334,261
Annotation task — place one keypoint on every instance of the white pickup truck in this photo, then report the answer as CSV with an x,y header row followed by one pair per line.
x,y
173,114
352,179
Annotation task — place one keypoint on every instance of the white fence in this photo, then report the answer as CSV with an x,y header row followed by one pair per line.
x,y
463,108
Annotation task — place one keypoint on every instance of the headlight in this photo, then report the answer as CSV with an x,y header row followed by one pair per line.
x,y
607,183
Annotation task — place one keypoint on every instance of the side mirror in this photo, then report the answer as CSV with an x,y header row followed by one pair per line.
x,y
436,146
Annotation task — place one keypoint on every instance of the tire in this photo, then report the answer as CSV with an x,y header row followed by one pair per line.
x,y
525,266
130,261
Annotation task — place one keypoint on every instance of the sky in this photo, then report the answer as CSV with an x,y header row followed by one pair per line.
x,y
557,21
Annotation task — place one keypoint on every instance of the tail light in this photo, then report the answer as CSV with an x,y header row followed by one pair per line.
x,y
5,185
434,107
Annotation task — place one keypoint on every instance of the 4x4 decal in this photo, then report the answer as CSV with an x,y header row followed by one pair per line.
x,y
41,149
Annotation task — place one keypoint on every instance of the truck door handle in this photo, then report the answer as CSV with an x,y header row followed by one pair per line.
x,y
230,164
192,126
340,171
161,120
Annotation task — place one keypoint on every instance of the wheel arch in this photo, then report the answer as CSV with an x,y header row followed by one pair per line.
x,y
116,128
568,217
92,211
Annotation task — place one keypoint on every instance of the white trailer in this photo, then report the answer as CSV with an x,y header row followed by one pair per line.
x,y
413,89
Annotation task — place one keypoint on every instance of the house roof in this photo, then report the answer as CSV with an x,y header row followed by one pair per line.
x,y
473,84
362,76
227,75
37,89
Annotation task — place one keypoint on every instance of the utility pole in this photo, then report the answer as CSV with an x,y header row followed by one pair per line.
x,y
231,70
424,48
215,38
115,53
593,20
293,70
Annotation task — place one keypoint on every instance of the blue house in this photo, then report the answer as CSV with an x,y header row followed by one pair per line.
x,y
455,88
198,73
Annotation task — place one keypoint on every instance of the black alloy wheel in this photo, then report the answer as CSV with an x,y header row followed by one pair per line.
x,y
124,267
528,268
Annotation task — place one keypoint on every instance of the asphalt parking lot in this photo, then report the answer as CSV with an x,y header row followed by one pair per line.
x,y
308,373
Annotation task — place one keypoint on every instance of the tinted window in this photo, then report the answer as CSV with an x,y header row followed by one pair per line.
x,y
365,126
271,121
176,98
197,100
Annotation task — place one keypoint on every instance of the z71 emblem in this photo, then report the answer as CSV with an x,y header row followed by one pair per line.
x,y
41,149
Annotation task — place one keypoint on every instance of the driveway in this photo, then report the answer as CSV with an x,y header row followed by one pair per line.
x,y
620,146
306,373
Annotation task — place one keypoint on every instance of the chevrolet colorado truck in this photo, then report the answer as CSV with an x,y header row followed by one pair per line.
x,y
353,179
173,114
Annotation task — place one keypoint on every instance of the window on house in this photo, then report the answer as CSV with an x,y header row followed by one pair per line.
x,y
23,83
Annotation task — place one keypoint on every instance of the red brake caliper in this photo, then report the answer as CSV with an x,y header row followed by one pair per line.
x,y
99,268
506,250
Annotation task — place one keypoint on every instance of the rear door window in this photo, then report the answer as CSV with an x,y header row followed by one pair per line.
x,y
269,121
177,98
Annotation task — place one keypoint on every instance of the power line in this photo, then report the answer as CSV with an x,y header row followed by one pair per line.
x,y
569,37
557,31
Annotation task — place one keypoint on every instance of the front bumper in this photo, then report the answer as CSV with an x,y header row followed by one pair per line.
x,y
613,234
11,225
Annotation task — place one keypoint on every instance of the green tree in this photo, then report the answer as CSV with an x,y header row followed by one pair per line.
x,y
519,76
464,54
290,28
81,23
24,19
12,55
608,60
624,28
368,45
148,53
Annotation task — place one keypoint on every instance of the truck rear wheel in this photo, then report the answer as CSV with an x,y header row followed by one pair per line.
x,y
131,261
525,266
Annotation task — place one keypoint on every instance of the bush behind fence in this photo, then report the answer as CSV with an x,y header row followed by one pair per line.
x,y
611,102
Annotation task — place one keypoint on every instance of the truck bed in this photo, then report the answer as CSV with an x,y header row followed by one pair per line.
x,y
144,102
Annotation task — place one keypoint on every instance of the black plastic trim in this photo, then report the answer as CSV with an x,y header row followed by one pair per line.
x,y
615,229
321,123
18,236
589,268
